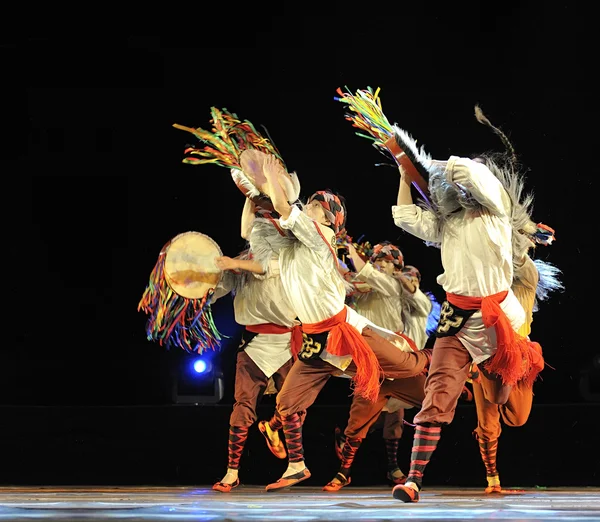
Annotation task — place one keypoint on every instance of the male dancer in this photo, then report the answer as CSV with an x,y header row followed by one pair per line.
x,y
384,290
532,281
336,338
517,408
471,219
417,310
270,340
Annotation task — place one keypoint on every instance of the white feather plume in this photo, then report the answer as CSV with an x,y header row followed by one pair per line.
x,y
241,179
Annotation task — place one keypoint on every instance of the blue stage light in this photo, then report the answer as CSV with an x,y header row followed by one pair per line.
x,y
201,366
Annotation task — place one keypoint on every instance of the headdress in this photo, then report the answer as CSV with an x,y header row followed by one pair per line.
x,y
387,250
333,207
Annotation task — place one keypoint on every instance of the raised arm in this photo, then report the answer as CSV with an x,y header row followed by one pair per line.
x,y
404,193
408,216
379,282
407,282
357,261
247,218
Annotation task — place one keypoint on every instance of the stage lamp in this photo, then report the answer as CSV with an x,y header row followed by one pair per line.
x,y
197,379
201,366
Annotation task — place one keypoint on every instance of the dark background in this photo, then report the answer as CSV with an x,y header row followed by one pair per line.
x,y
99,188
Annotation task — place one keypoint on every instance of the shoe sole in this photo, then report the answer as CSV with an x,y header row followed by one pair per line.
x,y
290,483
280,455
401,494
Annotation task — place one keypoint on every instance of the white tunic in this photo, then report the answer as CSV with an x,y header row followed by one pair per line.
x,y
261,300
476,249
313,283
418,308
383,304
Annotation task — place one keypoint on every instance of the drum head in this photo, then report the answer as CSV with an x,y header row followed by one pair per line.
x,y
190,268
252,161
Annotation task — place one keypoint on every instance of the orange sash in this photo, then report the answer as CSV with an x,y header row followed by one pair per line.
x,y
516,356
344,339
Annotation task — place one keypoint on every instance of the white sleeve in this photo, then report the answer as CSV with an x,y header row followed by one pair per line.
x,y
480,182
417,221
316,237
225,285
379,282
420,304
272,269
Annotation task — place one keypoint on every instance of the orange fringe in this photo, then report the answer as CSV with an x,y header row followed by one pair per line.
x,y
516,358
344,339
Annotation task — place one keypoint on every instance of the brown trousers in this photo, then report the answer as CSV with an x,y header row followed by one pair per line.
x,y
250,386
393,422
448,374
307,378
364,414
514,412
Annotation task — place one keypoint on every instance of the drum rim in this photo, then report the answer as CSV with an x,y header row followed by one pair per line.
x,y
166,253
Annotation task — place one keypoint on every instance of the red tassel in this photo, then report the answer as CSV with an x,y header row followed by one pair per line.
x,y
516,358
344,339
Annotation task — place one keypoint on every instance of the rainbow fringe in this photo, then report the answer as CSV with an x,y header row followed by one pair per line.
x,y
366,114
176,321
228,138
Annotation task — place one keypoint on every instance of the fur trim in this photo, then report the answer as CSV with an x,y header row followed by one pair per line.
x,y
549,280
417,155
242,181
265,240
522,205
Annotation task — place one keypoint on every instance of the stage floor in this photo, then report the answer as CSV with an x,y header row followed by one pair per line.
x,y
295,504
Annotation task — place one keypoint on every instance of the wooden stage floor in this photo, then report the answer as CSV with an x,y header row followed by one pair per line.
x,y
135,504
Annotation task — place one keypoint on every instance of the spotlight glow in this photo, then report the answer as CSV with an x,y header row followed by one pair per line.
x,y
200,366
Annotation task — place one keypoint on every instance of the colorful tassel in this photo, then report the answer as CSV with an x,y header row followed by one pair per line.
x,y
366,114
225,142
176,321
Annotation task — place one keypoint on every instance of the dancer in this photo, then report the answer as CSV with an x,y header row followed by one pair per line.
x,y
473,208
382,299
270,341
532,279
336,338
418,311
532,282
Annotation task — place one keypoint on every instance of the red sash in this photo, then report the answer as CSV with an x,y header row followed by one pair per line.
x,y
344,339
516,356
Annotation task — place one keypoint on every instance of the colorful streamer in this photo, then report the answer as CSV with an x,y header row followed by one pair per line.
x,y
176,321
227,139
366,113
